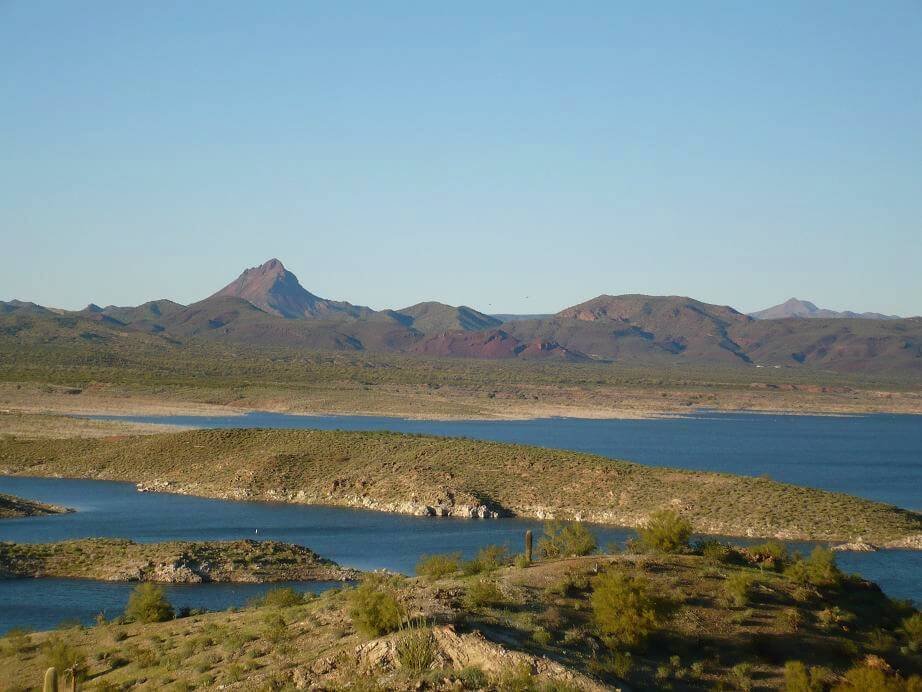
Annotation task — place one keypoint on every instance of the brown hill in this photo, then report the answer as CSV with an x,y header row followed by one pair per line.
x,y
494,343
639,327
433,318
277,291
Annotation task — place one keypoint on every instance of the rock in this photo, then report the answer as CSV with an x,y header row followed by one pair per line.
x,y
858,546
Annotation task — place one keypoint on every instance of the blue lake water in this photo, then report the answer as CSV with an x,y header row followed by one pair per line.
x,y
879,457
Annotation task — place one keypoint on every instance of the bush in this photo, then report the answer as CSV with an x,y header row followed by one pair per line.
x,y
275,629
415,650
488,559
374,608
741,675
148,603
819,569
570,584
623,609
912,630
542,636
517,678
58,653
736,588
438,566
867,679
715,552
483,593
473,678
771,554
665,532
16,640
282,597
566,539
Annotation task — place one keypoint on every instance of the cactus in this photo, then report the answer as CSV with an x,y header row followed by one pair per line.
x,y
51,681
528,545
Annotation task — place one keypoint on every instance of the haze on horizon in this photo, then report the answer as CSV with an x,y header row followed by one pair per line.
x,y
519,158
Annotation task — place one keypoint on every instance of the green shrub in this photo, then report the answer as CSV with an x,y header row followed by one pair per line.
x,y
517,678
819,569
16,640
623,609
148,603
866,679
488,559
771,554
791,619
566,539
281,597
483,593
58,653
520,561
796,678
741,675
542,636
569,584
714,552
374,608
275,629
415,650
438,566
665,532
833,618
473,678
736,588
912,630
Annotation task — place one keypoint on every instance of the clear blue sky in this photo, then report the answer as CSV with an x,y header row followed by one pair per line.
x,y
513,156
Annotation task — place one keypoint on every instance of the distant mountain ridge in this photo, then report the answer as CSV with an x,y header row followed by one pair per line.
x,y
794,307
266,306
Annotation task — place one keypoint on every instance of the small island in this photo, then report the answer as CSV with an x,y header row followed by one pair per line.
x,y
175,562
12,507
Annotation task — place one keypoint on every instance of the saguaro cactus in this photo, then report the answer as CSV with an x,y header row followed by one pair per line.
x,y
51,681
528,539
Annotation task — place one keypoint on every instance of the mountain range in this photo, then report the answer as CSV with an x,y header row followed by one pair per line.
x,y
794,307
267,306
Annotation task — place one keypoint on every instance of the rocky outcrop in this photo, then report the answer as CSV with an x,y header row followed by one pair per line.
x,y
12,507
111,559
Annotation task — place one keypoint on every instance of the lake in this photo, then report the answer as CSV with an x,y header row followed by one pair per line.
x,y
879,457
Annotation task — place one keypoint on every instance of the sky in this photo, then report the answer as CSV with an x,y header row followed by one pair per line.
x,y
513,156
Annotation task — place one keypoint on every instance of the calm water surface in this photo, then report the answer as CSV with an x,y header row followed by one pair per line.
x,y
879,457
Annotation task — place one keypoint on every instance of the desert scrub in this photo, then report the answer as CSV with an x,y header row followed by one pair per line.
x,y
819,569
566,539
741,676
623,609
415,649
488,559
737,588
911,629
482,593
281,597
665,532
148,603
438,566
771,554
373,606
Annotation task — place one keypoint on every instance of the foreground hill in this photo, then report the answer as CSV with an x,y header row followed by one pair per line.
x,y
457,477
692,623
